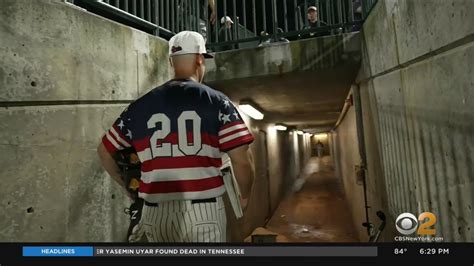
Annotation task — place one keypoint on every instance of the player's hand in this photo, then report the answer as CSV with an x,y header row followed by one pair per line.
x,y
212,19
129,195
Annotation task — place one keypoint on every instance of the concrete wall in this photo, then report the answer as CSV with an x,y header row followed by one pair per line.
x,y
347,157
417,85
345,153
285,154
281,58
65,76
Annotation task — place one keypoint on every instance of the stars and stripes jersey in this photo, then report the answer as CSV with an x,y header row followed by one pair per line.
x,y
179,131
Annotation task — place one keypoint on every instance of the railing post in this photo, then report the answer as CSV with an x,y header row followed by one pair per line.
x,y
295,7
245,17
179,15
339,11
285,15
237,37
306,12
299,17
134,8
172,29
275,20
198,17
176,15
185,14
142,10
218,23
125,5
168,15
319,13
236,24
192,14
157,15
161,9
208,24
148,12
264,16
254,18
225,26
351,7
328,13
344,11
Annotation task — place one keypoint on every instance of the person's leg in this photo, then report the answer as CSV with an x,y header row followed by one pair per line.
x,y
161,222
208,222
222,220
181,221
149,219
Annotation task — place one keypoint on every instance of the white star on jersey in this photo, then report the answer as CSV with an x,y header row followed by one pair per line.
x,y
129,133
226,103
236,115
121,125
220,115
225,118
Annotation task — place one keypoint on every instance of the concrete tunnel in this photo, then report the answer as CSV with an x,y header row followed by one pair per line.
x,y
391,103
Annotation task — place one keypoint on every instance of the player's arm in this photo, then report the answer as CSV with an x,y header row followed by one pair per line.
x,y
242,164
109,164
234,139
116,139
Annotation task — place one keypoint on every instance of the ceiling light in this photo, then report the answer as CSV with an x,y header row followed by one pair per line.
x,y
321,136
300,132
251,111
280,127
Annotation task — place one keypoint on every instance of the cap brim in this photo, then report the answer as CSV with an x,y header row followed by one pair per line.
x,y
206,55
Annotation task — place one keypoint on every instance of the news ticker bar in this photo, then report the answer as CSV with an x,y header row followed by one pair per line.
x,y
264,251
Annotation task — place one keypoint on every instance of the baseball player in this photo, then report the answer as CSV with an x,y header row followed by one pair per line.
x,y
180,130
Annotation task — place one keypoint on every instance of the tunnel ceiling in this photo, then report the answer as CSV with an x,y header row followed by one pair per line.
x,y
310,100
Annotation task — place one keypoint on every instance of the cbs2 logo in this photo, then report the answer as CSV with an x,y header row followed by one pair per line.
x,y
407,223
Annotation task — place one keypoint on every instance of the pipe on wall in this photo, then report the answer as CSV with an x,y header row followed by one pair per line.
x,y
347,103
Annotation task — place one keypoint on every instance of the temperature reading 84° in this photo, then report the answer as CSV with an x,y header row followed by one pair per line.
x,y
399,251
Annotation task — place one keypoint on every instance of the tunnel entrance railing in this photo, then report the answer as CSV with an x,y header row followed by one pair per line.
x,y
254,22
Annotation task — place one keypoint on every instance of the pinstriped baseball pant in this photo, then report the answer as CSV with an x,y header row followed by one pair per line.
x,y
182,221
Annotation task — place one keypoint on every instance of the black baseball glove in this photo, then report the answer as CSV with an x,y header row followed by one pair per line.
x,y
129,164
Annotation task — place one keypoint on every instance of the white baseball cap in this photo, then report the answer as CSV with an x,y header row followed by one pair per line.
x,y
225,19
188,42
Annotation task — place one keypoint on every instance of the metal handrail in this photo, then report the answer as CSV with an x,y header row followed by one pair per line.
x,y
285,34
284,19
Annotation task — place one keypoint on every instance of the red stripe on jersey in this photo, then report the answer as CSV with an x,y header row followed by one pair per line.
x,y
108,146
180,162
228,145
172,138
181,185
210,140
232,132
230,125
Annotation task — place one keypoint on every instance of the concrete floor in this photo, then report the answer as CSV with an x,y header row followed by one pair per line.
x,y
316,210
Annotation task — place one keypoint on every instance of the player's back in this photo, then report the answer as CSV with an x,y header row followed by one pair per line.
x,y
175,133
